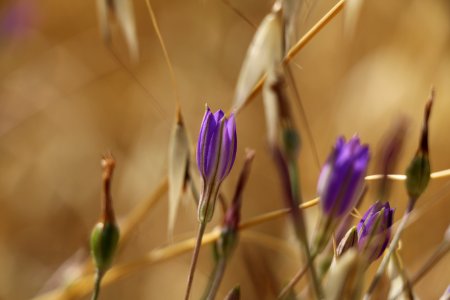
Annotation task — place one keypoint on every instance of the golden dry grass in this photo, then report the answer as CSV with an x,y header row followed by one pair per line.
x,y
65,99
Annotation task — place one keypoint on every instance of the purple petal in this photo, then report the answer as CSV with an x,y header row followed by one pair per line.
x,y
212,151
206,135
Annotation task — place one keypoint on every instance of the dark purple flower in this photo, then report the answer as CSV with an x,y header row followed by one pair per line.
x,y
341,180
216,152
374,230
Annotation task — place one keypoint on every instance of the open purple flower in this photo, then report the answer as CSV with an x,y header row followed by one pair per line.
x,y
341,180
374,230
216,152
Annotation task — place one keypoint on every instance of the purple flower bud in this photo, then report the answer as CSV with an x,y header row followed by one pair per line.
x,y
216,152
341,180
374,230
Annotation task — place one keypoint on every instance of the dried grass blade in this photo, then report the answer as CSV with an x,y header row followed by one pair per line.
x,y
400,285
343,280
179,153
271,108
265,51
102,13
125,17
291,10
351,17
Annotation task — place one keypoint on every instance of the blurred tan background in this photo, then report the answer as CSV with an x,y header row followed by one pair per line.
x,y
65,98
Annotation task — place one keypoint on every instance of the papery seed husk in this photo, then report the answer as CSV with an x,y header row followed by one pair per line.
x,y
125,17
344,280
271,108
178,161
264,52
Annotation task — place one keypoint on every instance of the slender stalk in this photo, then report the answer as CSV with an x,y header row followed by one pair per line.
x,y
239,13
407,286
97,282
215,279
385,261
290,180
201,231
437,255
302,235
164,49
135,217
304,116
297,277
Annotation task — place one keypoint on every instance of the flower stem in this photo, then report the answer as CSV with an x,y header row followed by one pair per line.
x,y
300,228
297,277
215,279
201,231
98,281
385,261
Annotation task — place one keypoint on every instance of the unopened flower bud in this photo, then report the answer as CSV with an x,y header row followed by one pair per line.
x,y
216,152
341,180
374,230
104,239
419,170
340,185
418,175
105,234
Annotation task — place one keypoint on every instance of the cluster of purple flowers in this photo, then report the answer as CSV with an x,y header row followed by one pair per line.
x,y
340,187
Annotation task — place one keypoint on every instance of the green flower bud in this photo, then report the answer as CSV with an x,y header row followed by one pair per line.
x,y
104,239
418,175
418,171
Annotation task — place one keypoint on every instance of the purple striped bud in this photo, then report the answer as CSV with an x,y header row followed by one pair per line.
x,y
341,180
216,152
374,230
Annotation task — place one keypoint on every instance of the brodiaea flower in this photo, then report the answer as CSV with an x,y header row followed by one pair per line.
x,y
341,180
374,230
216,152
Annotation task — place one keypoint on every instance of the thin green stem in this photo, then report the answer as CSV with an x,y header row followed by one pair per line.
x,y
215,279
385,261
301,230
201,231
97,283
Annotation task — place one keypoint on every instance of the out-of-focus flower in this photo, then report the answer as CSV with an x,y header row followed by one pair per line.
x,y
340,186
216,152
341,180
374,230
17,18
